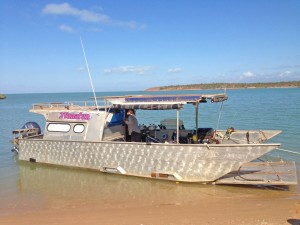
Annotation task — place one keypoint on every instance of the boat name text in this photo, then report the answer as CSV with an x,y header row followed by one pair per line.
x,y
74,116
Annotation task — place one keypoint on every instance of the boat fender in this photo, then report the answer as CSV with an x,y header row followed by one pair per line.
x,y
164,136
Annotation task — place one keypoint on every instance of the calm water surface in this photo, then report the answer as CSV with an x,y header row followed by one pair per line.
x,y
27,187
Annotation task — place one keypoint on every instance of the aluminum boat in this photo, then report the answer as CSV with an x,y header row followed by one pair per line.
x,y
92,135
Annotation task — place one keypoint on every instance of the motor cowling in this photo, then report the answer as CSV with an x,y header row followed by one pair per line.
x,y
32,124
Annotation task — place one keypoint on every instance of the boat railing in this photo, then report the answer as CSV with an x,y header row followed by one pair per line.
x,y
25,133
74,105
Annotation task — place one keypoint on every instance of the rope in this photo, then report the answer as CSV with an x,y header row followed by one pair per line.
x,y
249,179
284,150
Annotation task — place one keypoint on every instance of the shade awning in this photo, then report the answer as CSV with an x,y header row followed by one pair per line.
x,y
164,98
162,102
148,106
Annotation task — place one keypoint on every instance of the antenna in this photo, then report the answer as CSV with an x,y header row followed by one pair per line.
x,y
87,67
225,89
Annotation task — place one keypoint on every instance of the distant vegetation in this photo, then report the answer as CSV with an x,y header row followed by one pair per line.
x,y
2,96
290,84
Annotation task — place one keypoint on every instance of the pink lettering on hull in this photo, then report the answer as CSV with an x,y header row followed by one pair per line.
x,y
74,116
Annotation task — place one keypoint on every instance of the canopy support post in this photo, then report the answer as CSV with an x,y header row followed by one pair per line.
x,y
177,129
197,110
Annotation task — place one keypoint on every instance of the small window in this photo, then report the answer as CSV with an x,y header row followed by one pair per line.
x,y
78,128
59,127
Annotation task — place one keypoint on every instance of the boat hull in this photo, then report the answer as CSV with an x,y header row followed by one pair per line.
x,y
178,162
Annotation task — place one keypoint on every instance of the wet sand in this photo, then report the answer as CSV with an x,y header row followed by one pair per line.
x,y
55,195
215,210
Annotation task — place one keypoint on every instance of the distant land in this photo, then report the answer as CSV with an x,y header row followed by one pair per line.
x,y
289,84
2,96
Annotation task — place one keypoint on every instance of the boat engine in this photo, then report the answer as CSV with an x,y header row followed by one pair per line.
x,y
32,124
25,132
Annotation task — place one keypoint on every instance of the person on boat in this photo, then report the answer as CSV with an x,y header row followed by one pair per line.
x,y
133,128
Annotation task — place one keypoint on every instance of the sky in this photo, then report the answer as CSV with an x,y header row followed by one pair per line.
x,y
132,45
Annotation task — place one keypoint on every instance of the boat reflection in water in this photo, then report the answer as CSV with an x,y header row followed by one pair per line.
x,y
62,187
85,185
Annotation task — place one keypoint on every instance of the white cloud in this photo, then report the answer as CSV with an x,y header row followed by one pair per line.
x,y
248,74
65,9
129,69
82,14
66,28
174,70
285,73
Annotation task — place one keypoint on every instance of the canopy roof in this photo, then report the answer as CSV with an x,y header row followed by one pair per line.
x,y
162,102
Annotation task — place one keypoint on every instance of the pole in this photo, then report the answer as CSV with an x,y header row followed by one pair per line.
x,y
177,131
197,109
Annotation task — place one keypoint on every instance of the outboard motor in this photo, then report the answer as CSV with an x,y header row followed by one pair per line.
x,y
18,134
32,124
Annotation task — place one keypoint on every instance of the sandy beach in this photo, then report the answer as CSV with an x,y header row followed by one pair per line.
x,y
59,195
214,205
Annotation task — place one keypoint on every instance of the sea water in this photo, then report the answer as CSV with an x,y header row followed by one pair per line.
x,y
25,186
